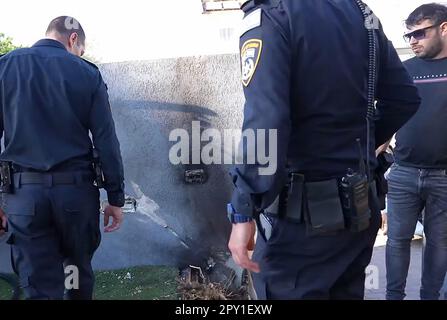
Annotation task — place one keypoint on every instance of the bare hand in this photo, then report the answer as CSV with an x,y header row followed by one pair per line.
x,y
3,222
384,226
117,218
242,240
383,148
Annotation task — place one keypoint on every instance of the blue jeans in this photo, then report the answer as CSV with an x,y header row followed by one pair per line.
x,y
411,190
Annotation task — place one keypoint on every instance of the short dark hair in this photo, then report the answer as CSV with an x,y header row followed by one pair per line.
x,y
65,26
435,12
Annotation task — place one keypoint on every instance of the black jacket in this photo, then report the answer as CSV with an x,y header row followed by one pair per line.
x,y
50,102
305,72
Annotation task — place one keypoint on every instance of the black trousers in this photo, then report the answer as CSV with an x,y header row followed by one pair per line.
x,y
295,266
54,229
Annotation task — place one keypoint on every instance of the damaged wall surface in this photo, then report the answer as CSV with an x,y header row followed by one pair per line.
x,y
175,222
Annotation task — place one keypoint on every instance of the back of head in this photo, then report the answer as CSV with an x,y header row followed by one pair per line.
x,y
69,32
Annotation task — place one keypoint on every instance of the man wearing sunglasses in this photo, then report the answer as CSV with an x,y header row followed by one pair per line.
x,y
418,179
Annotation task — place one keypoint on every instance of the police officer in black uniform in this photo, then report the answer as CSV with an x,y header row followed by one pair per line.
x,y
307,70
3,220
51,100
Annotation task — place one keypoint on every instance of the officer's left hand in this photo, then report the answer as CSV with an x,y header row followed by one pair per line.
x,y
241,240
3,222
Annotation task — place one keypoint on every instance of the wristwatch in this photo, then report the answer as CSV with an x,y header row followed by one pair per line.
x,y
236,217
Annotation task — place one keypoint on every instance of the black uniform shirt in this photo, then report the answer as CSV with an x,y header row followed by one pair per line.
x,y
50,100
305,74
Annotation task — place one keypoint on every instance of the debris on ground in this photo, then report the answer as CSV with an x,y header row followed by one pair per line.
x,y
213,281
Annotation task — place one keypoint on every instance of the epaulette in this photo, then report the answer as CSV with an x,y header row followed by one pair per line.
x,y
91,63
247,5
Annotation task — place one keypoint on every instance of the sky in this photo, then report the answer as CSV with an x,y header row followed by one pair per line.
x,y
153,29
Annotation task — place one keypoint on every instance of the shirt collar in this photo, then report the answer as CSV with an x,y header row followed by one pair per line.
x,y
49,43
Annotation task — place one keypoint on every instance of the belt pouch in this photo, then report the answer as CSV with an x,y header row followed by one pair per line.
x,y
324,211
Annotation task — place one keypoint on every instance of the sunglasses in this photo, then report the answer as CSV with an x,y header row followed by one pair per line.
x,y
418,34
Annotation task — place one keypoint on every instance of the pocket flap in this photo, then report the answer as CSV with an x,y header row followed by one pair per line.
x,y
324,206
19,207
72,207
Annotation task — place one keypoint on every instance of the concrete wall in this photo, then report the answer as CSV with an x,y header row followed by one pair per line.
x,y
175,223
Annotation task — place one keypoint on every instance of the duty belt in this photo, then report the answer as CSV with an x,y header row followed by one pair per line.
x,y
50,179
274,209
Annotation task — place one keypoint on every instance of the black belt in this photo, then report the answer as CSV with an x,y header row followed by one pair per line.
x,y
50,179
274,209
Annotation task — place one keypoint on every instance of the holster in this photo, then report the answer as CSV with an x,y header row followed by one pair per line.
x,y
97,168
289,203
6,185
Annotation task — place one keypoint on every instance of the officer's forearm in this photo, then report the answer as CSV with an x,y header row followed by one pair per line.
x,y
114,180
241,198
111,162
116,198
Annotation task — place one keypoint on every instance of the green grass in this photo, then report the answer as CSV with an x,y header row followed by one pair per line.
x,y
5,290
5,293
139,283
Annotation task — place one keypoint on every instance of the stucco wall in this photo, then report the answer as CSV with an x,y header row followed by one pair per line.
x,y
176,223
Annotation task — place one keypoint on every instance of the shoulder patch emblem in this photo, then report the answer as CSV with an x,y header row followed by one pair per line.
x,y
250,54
